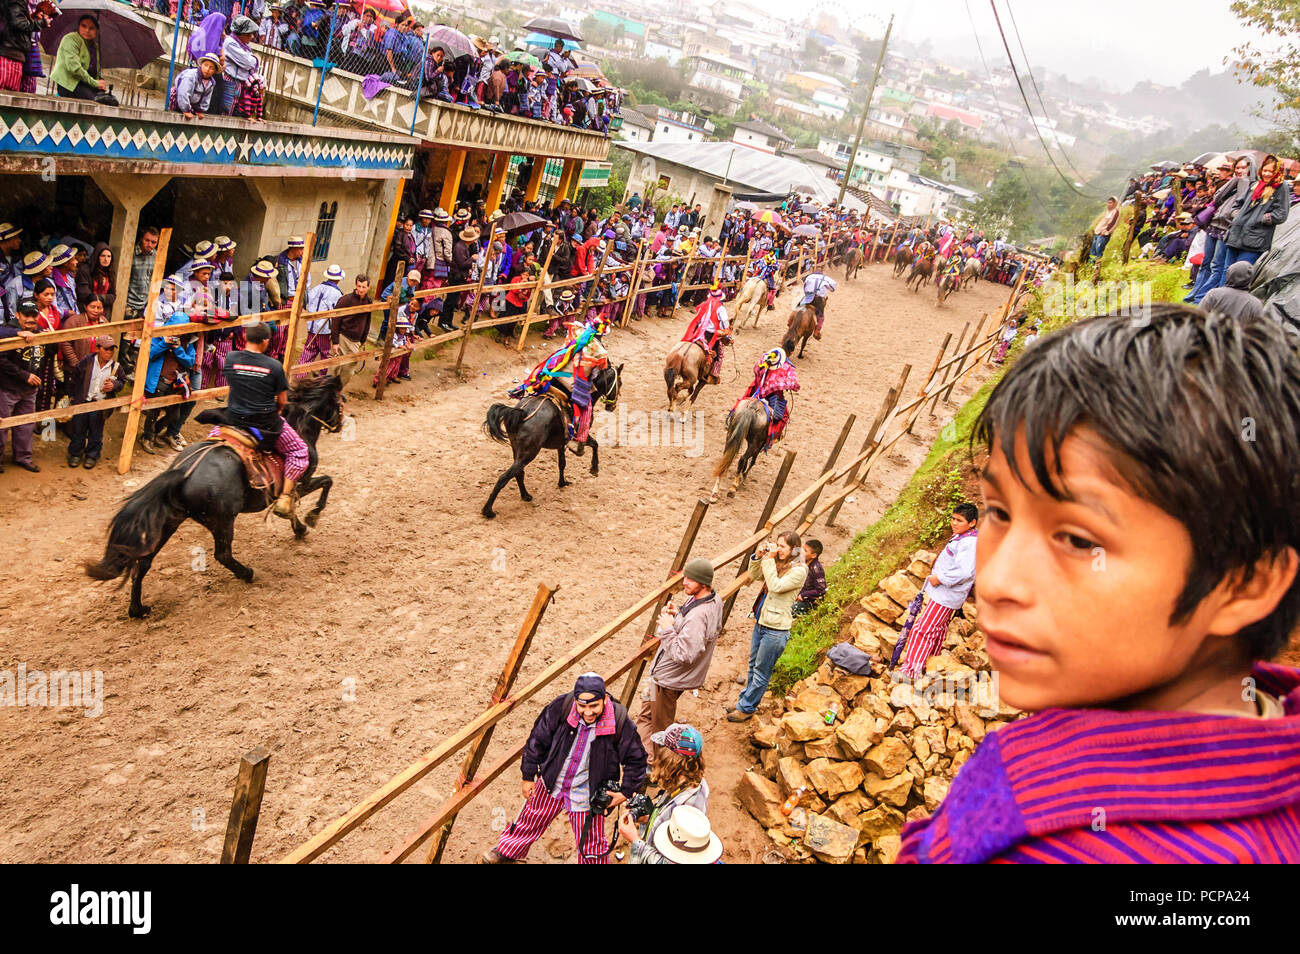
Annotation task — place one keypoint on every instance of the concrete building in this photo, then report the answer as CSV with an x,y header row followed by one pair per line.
x,y
669,126
716,82
761,136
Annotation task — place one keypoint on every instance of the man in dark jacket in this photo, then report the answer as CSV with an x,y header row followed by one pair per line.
x,y
580,742
462,264
1233,299
96,377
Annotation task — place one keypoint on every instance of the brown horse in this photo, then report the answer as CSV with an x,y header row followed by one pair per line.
x,y
852,262
947,285
902,259
747,424
921,271
802,326
686,370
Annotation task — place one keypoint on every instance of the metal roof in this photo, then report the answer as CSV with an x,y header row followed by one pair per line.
x,y
746,168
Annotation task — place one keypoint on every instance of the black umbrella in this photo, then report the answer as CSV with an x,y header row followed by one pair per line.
x,y
513,223
554,26
125,41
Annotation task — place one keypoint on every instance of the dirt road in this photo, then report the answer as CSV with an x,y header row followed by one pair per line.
x,y
360,647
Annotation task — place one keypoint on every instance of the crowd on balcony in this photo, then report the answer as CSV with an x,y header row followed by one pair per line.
x,y
220,70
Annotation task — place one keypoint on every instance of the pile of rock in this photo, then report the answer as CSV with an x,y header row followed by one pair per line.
x,y
871,753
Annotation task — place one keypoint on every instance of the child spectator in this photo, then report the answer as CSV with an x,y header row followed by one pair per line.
x,y
192,94
946,588
1137,570
814,588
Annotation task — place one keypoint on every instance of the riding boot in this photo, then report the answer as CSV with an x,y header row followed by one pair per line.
x,y
284,505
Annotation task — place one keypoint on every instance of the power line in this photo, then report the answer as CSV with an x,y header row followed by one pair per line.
x,y
1038,93
1025,98
1001,115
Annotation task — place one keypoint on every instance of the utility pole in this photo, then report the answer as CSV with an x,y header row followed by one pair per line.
x,y
866,108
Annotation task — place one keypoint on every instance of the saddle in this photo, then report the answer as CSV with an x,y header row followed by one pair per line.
x,y
265,471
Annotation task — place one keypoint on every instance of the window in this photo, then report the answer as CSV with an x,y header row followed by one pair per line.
x,y
325,229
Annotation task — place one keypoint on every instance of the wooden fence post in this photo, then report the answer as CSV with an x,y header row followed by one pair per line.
x,y
830,464
299,293
473,308
948,370
394,301
679,561
537,294
943,349
506,681
873,437
683,277
961,362
246,805
772,497
142,357
633,285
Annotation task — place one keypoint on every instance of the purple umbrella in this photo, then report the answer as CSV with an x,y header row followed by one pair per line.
x,y
451,40
126,41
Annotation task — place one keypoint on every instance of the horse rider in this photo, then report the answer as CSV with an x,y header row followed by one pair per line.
x,y
775,379
259,391
956,265
709,330
566,366
816,289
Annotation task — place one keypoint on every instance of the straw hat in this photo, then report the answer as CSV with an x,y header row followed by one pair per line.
x,y
469,235
424,214
35,262
687,838
205,249
334,273
295,242
225,243
440,216
62,254
263,269
8,230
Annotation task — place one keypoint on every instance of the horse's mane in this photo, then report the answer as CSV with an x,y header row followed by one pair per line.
x,y
306,395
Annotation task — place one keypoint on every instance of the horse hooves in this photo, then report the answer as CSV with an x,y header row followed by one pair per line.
x,y
731,493
246,574
488,513
312,518
139,612
565,483
300,530
526,498
594,472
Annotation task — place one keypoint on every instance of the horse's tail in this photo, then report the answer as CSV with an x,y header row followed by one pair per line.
x,y
137,529
672,368
502,419
792,331
738,424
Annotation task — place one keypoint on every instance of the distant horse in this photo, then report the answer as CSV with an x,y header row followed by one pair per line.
x,y
750,301
852,262
947,285
902,258
537,422
802,326
747,424
207,483
686,371
922,269
971,273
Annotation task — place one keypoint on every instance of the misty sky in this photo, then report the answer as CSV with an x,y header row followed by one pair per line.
x,y
1118,41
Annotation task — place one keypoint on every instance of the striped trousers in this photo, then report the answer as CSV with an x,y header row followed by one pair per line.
x,y
536,816
925,637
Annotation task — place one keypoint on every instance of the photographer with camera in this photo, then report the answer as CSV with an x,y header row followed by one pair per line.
x,y
586,753
780,566
677,769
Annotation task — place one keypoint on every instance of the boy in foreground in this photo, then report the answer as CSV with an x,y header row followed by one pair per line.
x,y
1137,568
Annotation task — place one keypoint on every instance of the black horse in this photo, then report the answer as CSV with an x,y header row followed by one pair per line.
x,y
209,485
535,423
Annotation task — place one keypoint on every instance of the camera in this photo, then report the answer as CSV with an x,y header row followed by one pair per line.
x,y
640,805
601,797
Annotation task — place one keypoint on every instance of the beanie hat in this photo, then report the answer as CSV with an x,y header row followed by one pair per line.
x,y
700,570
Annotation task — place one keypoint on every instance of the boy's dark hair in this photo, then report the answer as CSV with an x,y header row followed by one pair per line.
x,y
968,511
256,334
815,546
1199,415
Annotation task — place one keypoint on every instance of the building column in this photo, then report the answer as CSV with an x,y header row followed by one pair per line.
x,y
568,178
496,181
534,186
451,179
129,194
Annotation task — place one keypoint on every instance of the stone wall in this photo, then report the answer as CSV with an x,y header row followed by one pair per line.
x,y
891,749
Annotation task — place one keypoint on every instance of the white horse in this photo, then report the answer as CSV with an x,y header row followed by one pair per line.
x,y
751,301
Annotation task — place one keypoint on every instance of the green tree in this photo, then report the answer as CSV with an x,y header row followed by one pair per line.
x,y
1003,208
1276,64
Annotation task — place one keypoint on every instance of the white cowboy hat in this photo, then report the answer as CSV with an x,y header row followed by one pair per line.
x,y
334,273
687,839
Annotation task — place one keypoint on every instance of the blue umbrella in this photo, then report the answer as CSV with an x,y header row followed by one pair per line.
x,y
548,42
